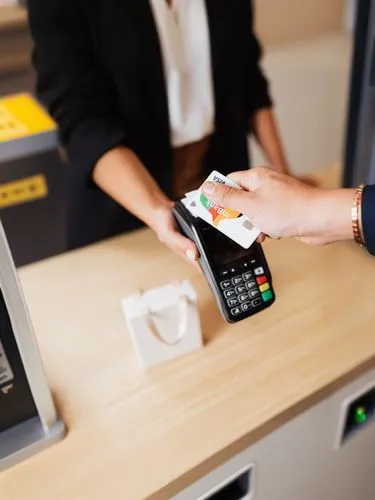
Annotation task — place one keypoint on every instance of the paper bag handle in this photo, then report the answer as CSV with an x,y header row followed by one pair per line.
x,y
183,305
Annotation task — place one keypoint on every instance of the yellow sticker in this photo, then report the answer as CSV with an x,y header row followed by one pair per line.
x,y
22,191
21,116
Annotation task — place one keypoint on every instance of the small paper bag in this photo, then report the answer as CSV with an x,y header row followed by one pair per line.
x,y
163,323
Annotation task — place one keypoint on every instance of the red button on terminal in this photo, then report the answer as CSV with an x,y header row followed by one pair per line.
x,y
261,280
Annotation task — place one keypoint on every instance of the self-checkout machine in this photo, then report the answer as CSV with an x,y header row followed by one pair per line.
x,y
28,418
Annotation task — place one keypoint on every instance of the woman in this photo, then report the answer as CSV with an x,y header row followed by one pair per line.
x,y
150,96
284,207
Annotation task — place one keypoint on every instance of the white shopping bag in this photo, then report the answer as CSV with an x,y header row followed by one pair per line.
x,y
163,323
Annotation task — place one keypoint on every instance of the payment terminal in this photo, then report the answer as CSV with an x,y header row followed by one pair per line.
x,y
239,278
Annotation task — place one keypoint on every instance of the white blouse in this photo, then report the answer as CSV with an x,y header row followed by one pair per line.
x,y
185,44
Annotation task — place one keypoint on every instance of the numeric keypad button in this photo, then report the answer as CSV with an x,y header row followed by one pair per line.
x,y
236,311
241,289
228,294
247,276
237,280
251,284
225,284
246,306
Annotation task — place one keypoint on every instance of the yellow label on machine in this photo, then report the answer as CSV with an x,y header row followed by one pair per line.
x,y
21,116
24,190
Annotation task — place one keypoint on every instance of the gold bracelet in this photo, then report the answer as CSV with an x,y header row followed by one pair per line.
x,y
357,215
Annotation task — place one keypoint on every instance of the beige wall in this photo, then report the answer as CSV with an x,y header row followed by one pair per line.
x,y
283,21
309,85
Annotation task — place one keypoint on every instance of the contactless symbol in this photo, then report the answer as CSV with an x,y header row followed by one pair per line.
x,y
218,213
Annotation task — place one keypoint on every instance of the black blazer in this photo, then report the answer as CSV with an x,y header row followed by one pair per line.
x,y
100,73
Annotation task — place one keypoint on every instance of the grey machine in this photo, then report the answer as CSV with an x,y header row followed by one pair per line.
x,y
28,418
325,453
33,217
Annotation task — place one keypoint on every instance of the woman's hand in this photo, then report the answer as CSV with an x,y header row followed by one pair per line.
x,y
165,227
122,176
282,206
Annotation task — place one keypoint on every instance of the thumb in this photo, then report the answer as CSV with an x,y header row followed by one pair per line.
x,y
229,197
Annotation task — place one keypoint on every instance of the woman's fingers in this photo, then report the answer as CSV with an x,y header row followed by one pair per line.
x,y
182,245
229,197
179,244
168,233
261,238
250,179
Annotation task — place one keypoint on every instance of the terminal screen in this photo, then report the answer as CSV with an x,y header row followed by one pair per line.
x,y
223,250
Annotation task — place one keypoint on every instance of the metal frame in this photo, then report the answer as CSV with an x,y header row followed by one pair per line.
x,y
30,436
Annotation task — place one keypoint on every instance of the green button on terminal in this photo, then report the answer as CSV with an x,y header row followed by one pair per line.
x,y
267,295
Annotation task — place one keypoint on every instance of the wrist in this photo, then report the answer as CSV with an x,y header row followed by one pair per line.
x,y
330,215
155,211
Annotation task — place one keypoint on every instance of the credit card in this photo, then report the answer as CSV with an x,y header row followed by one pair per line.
x,y
230,222
190,193
6,374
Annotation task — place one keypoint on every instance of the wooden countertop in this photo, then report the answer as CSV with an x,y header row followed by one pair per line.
x,y
136,435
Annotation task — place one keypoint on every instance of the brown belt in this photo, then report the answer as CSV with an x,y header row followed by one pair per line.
x,y
188,163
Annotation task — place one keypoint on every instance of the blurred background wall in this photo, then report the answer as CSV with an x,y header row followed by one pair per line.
x,y
307,58
286,21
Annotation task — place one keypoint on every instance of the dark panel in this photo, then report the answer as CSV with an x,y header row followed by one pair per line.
x,y
37,229
16,403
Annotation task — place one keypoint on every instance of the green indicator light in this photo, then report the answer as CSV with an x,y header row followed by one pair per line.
x,y
360,415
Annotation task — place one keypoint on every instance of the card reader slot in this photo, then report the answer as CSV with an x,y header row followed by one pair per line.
x,y
236,487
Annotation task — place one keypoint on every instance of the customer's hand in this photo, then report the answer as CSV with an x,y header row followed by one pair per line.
x,y
308,179
165,227
282,206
